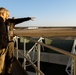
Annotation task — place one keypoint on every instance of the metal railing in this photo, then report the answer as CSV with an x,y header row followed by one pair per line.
x,y
38,72
73,56
70,65
24,55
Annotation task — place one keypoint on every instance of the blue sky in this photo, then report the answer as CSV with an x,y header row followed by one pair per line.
x,y
47,12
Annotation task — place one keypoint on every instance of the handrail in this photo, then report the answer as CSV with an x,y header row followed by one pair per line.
x,y
71,61
53,48
34,46
31,63
58,50
38,62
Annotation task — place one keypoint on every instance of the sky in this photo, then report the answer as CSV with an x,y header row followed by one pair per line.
x,y
47,13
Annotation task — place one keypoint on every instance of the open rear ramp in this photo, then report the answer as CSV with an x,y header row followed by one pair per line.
x,y
17,69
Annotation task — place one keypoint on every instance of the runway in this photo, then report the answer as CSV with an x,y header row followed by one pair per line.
x,y
47,32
